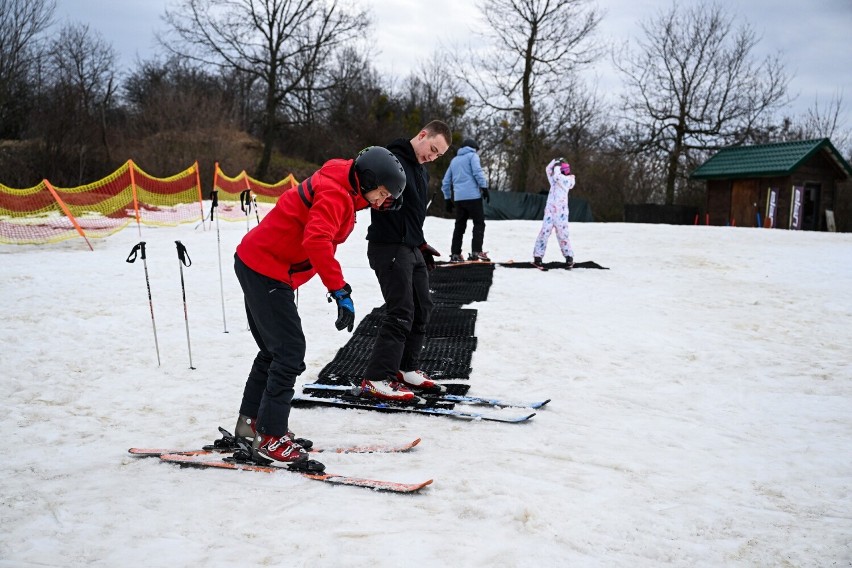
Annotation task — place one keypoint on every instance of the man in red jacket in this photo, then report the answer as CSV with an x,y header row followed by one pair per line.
x,y
297,239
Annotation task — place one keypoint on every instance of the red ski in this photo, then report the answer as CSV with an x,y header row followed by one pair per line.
x,y
378,485
466,263
365,449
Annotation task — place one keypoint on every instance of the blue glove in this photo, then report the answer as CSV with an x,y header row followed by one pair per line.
x,y
345,308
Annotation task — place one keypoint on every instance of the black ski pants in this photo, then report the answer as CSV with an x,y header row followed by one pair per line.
x,y
277,329
404,281
468,209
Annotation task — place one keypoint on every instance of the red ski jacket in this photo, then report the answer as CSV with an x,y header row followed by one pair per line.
x,y
299,236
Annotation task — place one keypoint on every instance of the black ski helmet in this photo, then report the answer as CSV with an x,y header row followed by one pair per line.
x,y
377,166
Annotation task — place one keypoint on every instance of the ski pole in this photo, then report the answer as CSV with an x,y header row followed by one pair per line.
x,y
131,258
214,197
256,213
212,205
184,260
245,205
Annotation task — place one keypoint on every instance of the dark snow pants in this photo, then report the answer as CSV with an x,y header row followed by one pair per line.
x,y
404,282
469,209
277,329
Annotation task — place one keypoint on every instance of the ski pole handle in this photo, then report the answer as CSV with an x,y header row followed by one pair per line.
x,y
214,198
131,258
183,254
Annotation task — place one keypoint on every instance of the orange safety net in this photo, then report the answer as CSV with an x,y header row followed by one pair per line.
x,y
47,214
234,191
168,201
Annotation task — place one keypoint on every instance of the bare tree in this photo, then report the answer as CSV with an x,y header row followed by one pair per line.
x,y
433,85
828,121
326,83
178,113
21,25
694,84
280,42
77,87
83,61
535,46
173,95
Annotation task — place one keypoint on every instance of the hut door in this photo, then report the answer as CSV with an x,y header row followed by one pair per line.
x,y
810,208
744,198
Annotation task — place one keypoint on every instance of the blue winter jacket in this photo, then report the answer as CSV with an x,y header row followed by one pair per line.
x,y
464,176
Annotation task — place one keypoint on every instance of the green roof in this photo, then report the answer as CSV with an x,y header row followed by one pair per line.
x,y
768,160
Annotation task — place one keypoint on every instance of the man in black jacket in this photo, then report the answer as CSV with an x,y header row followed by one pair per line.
x,y
401,258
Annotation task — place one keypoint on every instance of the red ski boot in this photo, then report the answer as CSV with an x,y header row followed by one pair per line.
x,y
386,390
282,449
417,380
247,428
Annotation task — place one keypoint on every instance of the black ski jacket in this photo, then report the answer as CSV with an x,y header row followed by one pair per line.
x,y
404,226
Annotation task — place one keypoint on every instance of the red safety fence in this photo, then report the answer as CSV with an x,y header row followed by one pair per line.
x,y
47,214
242,197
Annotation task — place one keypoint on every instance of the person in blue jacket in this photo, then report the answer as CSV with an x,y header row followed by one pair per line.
x,y
464,187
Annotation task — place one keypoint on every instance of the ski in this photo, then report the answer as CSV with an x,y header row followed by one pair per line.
x,y
465,263
157,452
515,264
553,265
461,399
227,444
366,404
375,484
365,449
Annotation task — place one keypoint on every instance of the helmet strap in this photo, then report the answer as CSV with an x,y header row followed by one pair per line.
x,y
354,181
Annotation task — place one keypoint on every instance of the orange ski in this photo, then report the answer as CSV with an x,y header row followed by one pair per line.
x,y
375,484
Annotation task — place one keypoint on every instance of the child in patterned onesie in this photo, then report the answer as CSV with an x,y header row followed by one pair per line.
x,y
556,212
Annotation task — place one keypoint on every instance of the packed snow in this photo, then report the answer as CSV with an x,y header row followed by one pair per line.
x,y
701,414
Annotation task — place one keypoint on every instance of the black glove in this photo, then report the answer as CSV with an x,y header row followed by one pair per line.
x,y
345,308
429,255
485,195
448,203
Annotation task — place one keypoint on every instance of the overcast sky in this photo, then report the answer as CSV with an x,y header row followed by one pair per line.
x,y
813,36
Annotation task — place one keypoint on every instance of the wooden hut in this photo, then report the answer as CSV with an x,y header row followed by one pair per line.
x,y
784,185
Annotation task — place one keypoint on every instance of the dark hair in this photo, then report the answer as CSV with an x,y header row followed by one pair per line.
x,y
439,127
470,142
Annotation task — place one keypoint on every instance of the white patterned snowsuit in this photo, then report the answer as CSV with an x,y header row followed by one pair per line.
x,y
555,212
